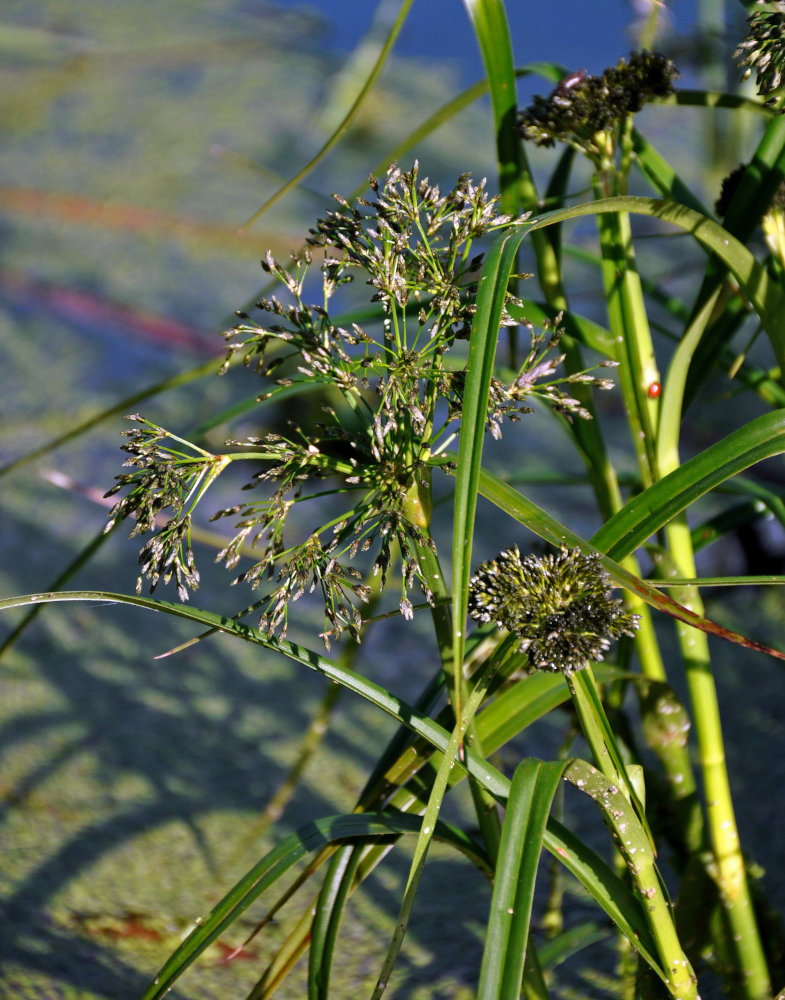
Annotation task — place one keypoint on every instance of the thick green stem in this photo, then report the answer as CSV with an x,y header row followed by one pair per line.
x,y
633,843
727,867
629,325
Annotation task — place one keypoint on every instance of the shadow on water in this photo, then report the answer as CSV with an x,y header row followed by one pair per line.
x,y
130,782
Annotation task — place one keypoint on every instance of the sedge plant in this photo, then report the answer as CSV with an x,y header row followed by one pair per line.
x,y
409,390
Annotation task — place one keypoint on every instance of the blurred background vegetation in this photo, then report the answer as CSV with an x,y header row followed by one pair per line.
x,y
137,140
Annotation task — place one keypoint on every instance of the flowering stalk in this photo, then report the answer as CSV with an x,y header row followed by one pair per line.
x,y
561,611
575,114
396,401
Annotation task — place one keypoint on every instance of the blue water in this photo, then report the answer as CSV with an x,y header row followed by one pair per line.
x,y
592,35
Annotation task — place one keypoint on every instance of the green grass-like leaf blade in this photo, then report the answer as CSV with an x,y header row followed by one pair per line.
x,y
332,900
343,125
646,513
499,265
489,20
766,297
310,837
532,790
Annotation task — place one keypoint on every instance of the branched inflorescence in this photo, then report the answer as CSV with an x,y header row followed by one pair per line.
x,y
764,50
560,607
588,111
163,479
398,396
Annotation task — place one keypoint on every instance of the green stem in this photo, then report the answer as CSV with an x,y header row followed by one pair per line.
x,y
431,815
673,755
584,696
484,803
629,326
600,737
727,868
632,841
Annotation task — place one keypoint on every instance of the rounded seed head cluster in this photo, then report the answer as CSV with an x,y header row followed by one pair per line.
x,y
583,108
764,50
560,606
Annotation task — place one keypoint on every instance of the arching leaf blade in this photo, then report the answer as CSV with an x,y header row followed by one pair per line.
x,y
646,513
489,20
532,790
343,125
486,774
763,293
122,407
312,836
498,267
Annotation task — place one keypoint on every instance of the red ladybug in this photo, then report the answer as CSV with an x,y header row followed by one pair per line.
x,y
654,390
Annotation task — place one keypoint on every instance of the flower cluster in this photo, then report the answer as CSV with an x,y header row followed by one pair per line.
x,y
588,111
764,50
773,219
560,607
393,397
163,479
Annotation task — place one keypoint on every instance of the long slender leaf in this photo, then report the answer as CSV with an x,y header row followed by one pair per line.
x,y
532,790
376,695
126,404
571,941
81,559
432,809
612,895
329,910
518,706
489,20
275,864
499,265
751,198
656,169
599,881
762,438
551,71
765,295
